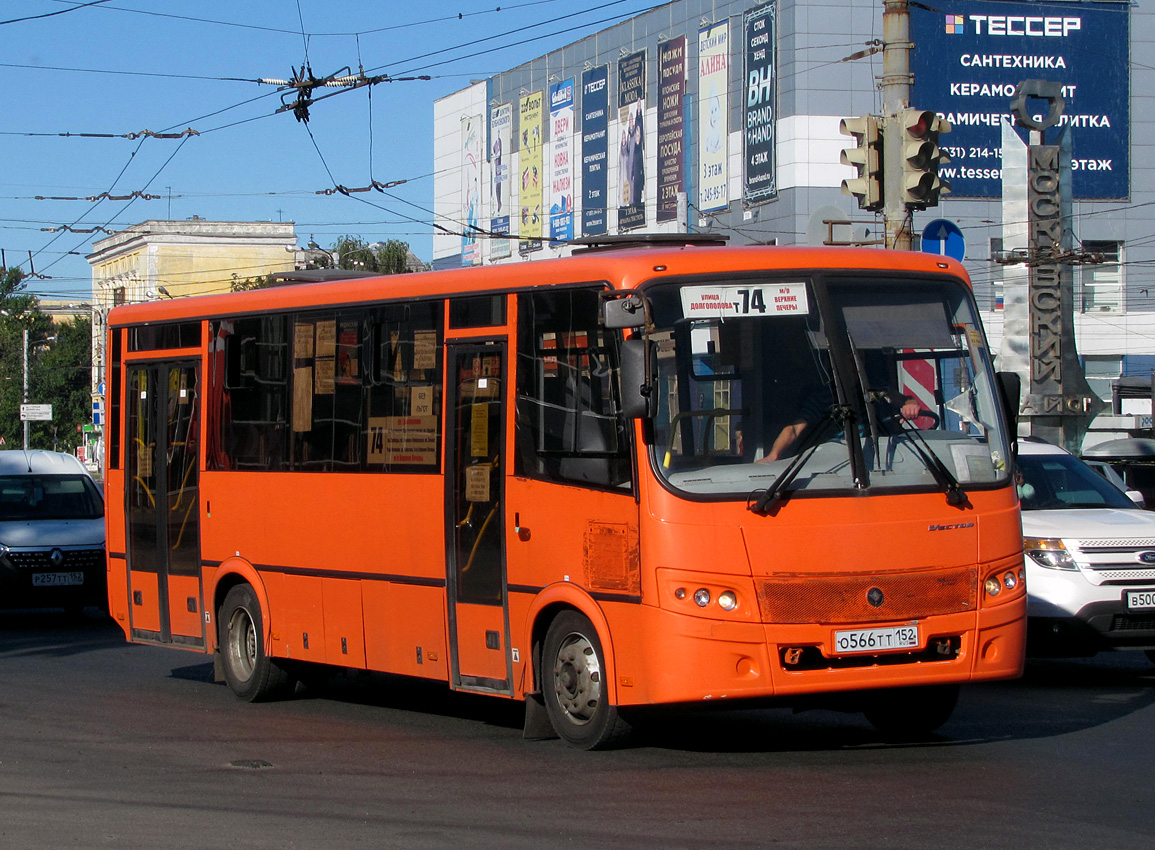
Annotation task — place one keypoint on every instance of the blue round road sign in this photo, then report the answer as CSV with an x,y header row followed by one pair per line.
x,y
944,237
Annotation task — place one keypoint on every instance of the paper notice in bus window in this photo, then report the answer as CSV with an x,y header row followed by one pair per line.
x,y
477,482
421,401
780,299
143,461
549,360
479,430
326,370
402,440
425,350
303,399
347,354
303,341
327,338
396,366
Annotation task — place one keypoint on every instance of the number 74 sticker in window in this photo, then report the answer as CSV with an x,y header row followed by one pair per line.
x,y
781,299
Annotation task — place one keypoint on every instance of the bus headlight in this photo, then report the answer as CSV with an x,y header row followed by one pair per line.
x,y
1049,553
701,597
993,586
727,600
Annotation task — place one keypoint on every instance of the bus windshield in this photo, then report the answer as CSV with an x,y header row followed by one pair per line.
x,y
823,383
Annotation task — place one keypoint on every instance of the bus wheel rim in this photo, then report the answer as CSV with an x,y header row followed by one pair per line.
x,y
243,643
578,679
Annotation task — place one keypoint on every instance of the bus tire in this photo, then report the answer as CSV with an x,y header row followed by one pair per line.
x,y
910,713
574,686
249,671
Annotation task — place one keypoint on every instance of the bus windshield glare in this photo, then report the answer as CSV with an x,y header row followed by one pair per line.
x,y
823,384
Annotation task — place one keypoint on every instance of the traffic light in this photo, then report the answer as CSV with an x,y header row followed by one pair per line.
x,y
921,158
866,157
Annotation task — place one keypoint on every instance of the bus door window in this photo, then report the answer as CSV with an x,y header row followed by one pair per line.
x,y
164,554
478,436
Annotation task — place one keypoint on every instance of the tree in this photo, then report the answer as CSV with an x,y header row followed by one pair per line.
x,y
62,375
59,369
354,253
244,285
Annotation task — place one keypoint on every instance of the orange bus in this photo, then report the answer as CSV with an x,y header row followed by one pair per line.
x,y
671,473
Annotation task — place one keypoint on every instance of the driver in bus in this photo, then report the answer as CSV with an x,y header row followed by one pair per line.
x,y
815,404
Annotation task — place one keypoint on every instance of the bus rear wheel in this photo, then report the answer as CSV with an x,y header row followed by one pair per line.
x,y
249,671
574,685
910,713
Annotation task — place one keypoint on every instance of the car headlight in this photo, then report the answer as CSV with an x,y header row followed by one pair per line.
x,y
1049,553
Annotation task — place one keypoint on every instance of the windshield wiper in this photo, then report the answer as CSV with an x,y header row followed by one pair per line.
x,y
811,439
955,495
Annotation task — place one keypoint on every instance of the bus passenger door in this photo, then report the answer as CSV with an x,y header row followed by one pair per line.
x,y
475,541
163,503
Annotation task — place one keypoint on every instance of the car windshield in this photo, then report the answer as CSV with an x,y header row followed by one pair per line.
x,y
825,383
37,497
1062,482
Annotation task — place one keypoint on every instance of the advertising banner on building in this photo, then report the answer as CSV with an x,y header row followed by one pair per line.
x,y
561,171
968,61
471,133
632,144
500,156
595,128
713,117
671,126
758,117
530,116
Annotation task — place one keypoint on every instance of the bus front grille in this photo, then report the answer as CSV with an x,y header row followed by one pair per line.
x,y
866,597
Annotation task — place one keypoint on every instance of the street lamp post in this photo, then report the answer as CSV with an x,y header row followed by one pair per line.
x,y
25,396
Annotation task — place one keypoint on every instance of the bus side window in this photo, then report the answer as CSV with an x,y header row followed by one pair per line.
x,y
403,387
569,426
247,400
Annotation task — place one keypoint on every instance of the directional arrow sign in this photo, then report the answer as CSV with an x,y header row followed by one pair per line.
x,y
944,237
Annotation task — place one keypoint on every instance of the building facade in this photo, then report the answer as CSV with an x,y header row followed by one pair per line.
x,y
723,117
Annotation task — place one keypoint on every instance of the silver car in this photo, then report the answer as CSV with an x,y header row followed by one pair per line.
x,y
51,533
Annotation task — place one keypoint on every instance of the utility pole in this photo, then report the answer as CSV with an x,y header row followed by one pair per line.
x,y
897,155
895,101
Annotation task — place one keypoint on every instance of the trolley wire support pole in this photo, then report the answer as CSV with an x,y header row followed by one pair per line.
x,y
895,100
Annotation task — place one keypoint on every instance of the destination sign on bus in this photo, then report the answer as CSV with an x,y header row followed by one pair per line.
x,y
777,300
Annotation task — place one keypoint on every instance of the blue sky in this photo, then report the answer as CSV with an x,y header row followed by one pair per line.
x,y
121,67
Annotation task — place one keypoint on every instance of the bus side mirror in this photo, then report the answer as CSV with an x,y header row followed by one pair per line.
x,y
628,312
1010,392
638,374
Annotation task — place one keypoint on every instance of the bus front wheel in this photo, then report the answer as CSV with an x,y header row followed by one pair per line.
x,y
574,685
911,713
249,671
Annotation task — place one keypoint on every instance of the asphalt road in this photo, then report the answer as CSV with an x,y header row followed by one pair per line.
x,y
106,744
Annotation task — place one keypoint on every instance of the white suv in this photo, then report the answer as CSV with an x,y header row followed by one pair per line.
x,y
1090,557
